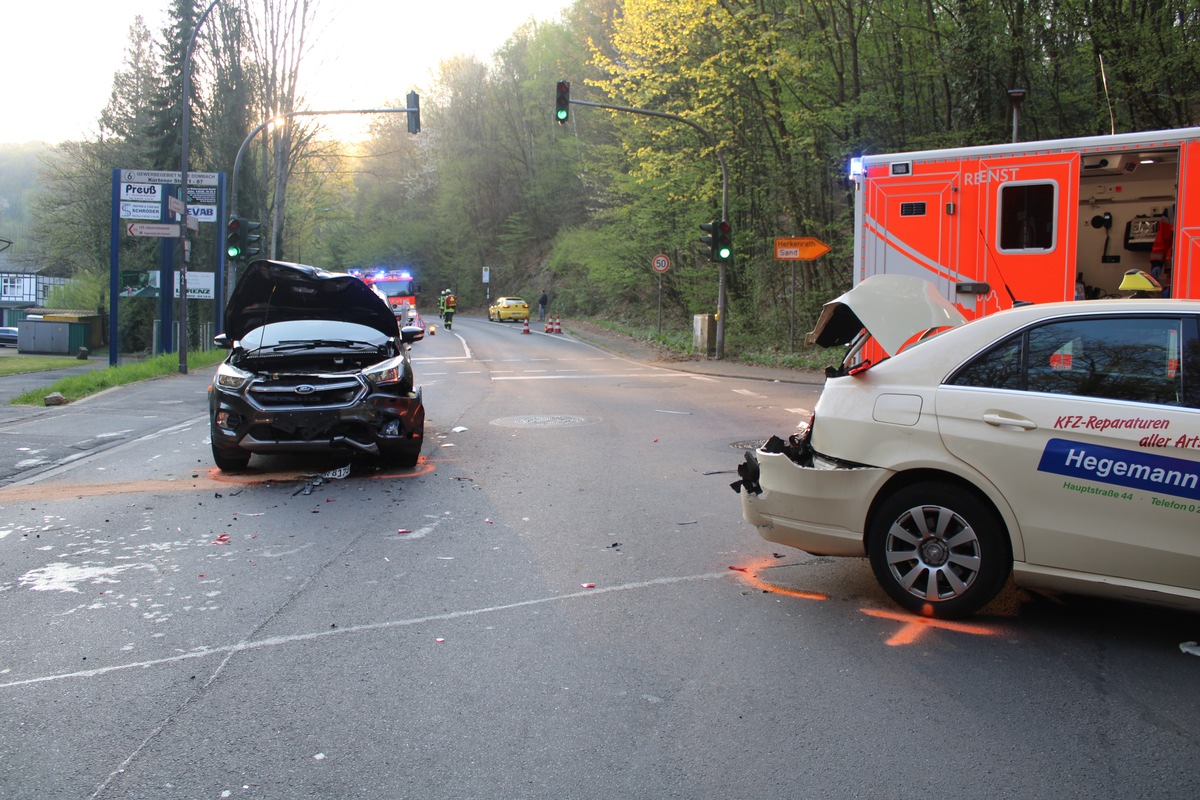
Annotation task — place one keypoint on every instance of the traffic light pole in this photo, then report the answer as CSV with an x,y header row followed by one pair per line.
x,y
413,126
237,161
721,294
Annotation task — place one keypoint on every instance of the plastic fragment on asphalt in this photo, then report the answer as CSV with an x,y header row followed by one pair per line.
x,y
739,569
439,640
1190,647
403,531
588,585
489,522
222,539
459,429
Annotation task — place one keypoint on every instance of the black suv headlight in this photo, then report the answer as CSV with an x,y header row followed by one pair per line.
x,y
231,379
385,373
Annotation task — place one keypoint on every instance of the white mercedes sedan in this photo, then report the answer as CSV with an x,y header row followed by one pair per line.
x,y
1058,444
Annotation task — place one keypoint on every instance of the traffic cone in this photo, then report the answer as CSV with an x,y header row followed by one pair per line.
x,y
558,324
549,324
526,328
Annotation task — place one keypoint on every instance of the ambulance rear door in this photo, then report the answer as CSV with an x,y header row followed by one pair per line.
x,y
907,226
1185,278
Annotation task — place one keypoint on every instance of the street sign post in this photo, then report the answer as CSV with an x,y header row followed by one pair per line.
x,y
799,248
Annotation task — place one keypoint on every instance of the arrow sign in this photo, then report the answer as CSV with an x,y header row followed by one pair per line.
x,y
159,230
799,248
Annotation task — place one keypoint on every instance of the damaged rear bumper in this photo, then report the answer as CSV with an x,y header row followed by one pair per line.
x,y
812,505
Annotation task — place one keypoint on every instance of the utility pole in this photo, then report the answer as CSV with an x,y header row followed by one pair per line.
x,y
181,256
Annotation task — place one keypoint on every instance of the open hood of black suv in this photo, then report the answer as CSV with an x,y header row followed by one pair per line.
x,y
277,291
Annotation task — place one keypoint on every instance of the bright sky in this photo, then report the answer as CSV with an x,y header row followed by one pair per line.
x,y
58,57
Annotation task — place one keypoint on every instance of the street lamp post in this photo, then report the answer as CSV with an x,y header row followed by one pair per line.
x,y
181,257
1015,96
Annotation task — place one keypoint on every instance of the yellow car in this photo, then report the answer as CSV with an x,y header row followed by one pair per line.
x,y
514,308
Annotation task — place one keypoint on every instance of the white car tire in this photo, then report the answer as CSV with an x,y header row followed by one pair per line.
x,y
939,550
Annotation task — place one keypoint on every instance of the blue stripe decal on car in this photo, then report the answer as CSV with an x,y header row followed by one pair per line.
x,y
1117,467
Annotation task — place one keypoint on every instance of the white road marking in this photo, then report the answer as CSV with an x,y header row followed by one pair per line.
x,y
277,641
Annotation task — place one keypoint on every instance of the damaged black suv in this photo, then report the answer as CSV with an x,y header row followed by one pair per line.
x,y
317,363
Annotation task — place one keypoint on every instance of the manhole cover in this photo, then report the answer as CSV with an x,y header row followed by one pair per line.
x,y
749,444
544,421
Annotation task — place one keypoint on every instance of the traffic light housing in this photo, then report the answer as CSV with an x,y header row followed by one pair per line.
x,y
723,242
562,102
251,239
414,113
233,237
709,239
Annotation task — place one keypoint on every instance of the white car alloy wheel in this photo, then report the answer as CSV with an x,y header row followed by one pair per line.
x,y
939,550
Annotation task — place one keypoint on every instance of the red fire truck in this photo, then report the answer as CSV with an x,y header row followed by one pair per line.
x,y
397,286
1029,221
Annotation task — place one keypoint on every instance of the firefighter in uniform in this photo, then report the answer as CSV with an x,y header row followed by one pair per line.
x,y
447,303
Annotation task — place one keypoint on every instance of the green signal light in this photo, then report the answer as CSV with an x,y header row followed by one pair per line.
x,y
233,237
723,241
562,101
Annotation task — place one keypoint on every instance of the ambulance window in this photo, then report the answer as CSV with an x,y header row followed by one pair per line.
x,y
1027,216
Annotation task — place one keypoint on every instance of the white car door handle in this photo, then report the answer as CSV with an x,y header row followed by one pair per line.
x,y
1004,421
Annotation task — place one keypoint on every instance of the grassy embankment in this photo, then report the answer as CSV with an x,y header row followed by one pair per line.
x,y
679,342
74,387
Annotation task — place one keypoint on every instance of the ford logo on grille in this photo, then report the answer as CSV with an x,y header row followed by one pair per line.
x,y
305,388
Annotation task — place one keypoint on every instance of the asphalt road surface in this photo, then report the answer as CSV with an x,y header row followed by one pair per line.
x,y
560,601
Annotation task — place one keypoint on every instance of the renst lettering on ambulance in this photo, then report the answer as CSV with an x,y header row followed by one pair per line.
x,y
985,176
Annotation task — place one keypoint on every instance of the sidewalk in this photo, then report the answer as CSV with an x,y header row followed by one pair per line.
x,y
13,385
631,348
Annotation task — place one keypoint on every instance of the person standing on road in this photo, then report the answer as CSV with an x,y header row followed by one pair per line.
x,y
542,303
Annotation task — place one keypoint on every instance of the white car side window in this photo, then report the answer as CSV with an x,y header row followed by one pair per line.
x,y
1134,359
